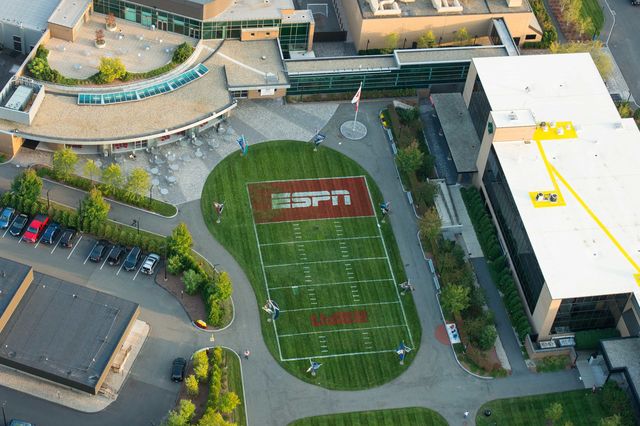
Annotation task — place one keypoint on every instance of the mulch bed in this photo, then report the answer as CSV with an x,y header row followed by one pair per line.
x,y
200,401
193,305
569,30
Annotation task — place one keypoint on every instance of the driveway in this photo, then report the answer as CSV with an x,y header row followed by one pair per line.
x,y
625,40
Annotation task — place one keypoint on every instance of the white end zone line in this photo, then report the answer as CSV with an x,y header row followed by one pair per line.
x,y
293,180
323,261
342,330
329,284
341,306
404,315
264,273
309,220
319,241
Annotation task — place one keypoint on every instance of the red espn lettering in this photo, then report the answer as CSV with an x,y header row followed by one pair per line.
x,y
339,318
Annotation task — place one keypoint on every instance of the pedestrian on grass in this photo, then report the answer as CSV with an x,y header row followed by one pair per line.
x,y
246,353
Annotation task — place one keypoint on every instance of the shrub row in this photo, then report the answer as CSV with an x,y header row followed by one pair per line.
x,y
549,32
118,194
498,266
588,340
69,218
344,96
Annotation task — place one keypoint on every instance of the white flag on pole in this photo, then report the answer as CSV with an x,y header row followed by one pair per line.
x,y
356,98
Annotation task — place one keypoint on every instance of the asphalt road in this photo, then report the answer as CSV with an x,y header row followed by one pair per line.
x,y
625,41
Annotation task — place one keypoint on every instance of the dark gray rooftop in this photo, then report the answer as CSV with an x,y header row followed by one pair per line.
x,y
11,276
448,54
64,332
623,353
458,130
425,8
340,64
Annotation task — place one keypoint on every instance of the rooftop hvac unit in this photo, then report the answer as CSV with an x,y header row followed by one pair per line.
x,y
553,198
513,116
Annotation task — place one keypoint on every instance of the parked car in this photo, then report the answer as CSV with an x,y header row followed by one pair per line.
x,y
15,422
68,237
18,225
51,233
35,228
150,263
115,255
132,259
177,369
99,251
6,217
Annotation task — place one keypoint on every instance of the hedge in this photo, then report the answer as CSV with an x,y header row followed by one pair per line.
x,y
588,340
549,34
498,267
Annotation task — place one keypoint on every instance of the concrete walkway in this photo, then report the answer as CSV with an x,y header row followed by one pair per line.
x,y
445,168
273,396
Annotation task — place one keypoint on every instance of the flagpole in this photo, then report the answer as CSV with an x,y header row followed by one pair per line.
x,y
358,95
355,118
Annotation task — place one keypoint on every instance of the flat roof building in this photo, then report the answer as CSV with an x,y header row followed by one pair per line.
x,y
558,168
59,331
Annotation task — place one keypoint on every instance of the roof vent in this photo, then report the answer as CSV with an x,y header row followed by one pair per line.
x,y
553,197
264,58
513,116
267,2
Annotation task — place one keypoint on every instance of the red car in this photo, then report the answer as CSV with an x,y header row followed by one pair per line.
x,y
35,228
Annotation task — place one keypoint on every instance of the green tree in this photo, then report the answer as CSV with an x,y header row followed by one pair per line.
x,y
138,181
191,383
228,402
487,337
174,264
594,48
425,192
27,185
454,298
111,69
390,43
426,40
410,158
430,226
180,241
112,177
224,287
213,418
91,169
94,208
553,412
64,162
193,281
462,37
183,415
614,420
624,109
182,53
201,365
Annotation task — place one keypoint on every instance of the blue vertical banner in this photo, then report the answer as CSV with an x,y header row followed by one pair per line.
x,y
244,146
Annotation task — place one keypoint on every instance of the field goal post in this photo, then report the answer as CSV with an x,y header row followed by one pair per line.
x,y
319,8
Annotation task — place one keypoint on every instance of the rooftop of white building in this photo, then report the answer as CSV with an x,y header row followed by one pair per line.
x,y
30,15
589,246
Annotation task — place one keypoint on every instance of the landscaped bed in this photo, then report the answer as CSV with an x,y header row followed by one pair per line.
x,y
400,416
349,361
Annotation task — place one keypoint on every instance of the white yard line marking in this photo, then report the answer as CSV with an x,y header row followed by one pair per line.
x,y
323,261
341,306
404,315
320,241
343,330
264,272
306,358
335,283
87,258
75,247
312,220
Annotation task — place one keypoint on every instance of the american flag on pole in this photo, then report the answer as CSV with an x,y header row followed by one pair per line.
x,y
356,98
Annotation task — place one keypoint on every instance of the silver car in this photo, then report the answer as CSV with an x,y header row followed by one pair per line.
x,y
150,263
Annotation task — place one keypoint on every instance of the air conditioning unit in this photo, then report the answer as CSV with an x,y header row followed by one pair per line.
x,y
105,153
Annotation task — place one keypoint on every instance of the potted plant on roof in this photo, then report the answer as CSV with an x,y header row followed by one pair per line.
x,y
100,41
110,22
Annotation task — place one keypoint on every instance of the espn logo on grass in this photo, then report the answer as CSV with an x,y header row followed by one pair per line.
x,y
309,199
297,200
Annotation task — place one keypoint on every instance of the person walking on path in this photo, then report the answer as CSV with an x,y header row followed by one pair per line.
x,y
246,353
466,414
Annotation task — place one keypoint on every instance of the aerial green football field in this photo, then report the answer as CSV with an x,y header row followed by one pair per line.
x,y
334,278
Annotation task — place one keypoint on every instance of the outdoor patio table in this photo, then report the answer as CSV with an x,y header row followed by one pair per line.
x,y
154,171
155,182
199,154
171,179
164,191
197,142
174,167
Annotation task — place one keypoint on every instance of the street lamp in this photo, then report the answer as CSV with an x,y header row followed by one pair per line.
x,y
367,46
150,194
404,43
48,202
165,261
4,417
136,223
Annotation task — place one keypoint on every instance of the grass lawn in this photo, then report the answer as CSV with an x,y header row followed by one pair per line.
x,y
317,270
400,416
592,9
580,407
232,364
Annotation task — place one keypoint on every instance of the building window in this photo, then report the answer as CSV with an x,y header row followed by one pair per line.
x,y
17,43
253,34
530,37
268,33
588,313
240,94
479,107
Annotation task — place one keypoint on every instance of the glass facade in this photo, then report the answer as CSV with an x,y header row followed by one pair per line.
x,y
512,228
413,76
479,107
587,313
292,36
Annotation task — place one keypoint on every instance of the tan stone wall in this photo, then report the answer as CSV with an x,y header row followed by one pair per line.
x,y
468,85
538,355
250,34
22,289
63,33
545,313
255,94
214,8
10,144
505,134
443,26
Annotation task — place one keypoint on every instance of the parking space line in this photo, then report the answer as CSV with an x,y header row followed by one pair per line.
x,y
56,245
9,227
120,268
75,247
38,242
137,272
19,239
87,258
106,258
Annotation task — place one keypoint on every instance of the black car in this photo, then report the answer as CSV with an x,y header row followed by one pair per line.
x,y
115,255
99,250
51,233
132,259
19,225
177,369
68,237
